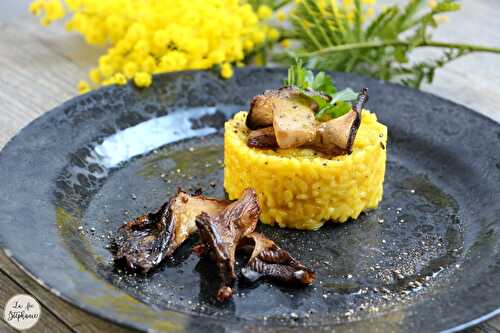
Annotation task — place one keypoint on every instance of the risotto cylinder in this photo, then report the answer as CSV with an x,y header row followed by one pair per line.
x,y
301,188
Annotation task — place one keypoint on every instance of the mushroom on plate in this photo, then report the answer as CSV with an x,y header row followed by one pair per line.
x,y
268,260
262,138
294,125
220,235
338,134
141,244
262,107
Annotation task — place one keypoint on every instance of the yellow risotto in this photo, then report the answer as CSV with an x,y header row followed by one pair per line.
x,y
301,188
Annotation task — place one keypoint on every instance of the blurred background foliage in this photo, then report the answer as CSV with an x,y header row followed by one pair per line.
x,y
142,38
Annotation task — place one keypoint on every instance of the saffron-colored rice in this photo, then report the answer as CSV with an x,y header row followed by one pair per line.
x,y
300,188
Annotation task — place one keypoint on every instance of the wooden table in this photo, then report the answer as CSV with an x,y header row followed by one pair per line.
x,y
39,69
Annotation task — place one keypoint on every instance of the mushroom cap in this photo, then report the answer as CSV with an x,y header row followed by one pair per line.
x,y
263,106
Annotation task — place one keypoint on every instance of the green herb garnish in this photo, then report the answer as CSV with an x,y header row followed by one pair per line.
x,y
314,86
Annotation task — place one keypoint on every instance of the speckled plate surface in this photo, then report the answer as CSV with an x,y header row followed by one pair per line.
x,y
428,259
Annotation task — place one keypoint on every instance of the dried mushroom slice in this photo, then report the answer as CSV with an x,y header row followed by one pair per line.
x,y
220,235
141,244
270,261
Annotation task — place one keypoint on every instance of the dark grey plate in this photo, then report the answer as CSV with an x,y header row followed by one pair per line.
x,y
428,259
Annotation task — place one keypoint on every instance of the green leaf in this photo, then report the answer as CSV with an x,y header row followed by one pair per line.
x,y
339,104
345,95
323,83
447,6
409,11
358,21
316,86
381,21
304,79
333,111
318,81
309,79
298,76
400,55
319,100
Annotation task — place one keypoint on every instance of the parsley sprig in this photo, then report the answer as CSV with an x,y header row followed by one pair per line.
x,y
316,87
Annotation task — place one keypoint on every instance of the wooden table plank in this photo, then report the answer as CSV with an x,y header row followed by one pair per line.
x,y
67,314
6,328
34,76
48,320
39,69
490,326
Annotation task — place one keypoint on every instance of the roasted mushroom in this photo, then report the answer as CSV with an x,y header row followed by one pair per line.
x,y
338,134
270,261
333,137
263,106
220,235
260,114
294,123
144,242
262,138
